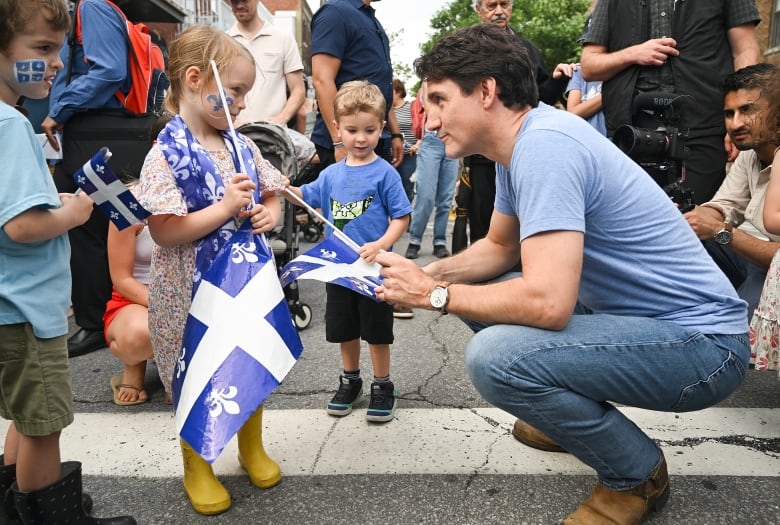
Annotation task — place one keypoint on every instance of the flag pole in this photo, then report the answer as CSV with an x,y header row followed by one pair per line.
x,y
340,234
230,122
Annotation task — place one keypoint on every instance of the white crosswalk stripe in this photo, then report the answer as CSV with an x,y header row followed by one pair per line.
x,y
715,441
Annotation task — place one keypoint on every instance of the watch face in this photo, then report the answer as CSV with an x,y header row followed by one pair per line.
x,y
723,237
439,297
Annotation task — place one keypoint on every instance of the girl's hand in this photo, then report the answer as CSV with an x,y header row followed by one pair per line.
x,y
238,195
285,182
262,219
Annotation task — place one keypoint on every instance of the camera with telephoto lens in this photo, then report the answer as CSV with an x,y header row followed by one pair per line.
x,y
662,151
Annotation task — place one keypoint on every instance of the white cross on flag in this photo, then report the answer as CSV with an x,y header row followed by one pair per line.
x,y
334,261
108,192
239,343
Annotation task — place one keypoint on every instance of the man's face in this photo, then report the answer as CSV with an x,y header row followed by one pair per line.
x,y
453,115
495,12
744,112
244,10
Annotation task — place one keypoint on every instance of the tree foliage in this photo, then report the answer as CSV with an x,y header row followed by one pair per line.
x,y
552,25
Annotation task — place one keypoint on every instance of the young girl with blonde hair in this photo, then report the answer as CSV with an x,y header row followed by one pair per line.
x,y
191,185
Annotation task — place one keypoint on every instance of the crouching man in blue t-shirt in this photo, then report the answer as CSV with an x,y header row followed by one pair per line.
x,y
617,303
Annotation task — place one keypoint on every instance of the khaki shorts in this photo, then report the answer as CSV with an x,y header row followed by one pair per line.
x,y
35,388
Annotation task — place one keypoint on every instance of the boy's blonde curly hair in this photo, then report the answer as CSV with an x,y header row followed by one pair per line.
x,y
359,96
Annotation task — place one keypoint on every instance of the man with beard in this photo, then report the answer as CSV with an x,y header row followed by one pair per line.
x,y
731,224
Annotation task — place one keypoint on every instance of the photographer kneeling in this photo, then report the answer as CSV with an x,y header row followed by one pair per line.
x,y
731,225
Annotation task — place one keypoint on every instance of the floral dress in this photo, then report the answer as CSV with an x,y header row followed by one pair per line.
x,y
765,327
170,279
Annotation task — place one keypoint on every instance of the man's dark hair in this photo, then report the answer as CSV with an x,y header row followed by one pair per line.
x,y
749,77
474,53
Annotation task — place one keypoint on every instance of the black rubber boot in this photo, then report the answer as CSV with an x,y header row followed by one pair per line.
x,y
8,512
60,503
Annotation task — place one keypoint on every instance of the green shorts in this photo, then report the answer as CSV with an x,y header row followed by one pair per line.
x,y
35,388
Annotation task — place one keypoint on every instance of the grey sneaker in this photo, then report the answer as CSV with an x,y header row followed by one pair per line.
x,y
440,251
412,251
382,405
348,393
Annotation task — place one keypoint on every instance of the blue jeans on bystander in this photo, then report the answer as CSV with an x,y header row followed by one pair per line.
x,y
435,181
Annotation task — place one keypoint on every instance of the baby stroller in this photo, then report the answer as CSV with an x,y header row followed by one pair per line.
x,y
291,153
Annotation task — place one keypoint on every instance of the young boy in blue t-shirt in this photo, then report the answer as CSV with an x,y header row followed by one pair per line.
x,y
364,197
35,385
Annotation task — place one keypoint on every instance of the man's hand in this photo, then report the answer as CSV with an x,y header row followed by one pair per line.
x,y
704,221
404,282
49,127
654,52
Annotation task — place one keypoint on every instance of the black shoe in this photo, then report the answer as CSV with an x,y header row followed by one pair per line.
x,y
349,393
412,251
85,341
402,312
440,251
381,408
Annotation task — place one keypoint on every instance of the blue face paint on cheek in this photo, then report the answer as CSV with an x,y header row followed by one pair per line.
x,y
28,71
217,102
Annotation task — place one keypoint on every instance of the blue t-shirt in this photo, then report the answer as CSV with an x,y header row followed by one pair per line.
x,y
359,200
35,276
349,31
641,258
588,90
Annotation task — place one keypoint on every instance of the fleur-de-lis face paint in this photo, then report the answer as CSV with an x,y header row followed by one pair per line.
x,y
216,101
29,71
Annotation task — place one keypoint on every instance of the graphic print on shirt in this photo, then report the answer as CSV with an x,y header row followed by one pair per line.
x,y
343,213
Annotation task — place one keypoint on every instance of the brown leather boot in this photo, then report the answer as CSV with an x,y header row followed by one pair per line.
x,y
534,438
624,507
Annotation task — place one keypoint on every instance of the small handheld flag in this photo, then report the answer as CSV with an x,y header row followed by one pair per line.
x,y
334,261
108,192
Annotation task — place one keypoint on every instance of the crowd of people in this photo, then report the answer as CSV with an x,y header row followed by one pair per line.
x,y
554,300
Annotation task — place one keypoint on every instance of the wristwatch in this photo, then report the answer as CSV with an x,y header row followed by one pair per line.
x,y
724,235
440,297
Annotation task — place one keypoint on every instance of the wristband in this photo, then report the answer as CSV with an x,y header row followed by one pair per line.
x,y
338,144
396,136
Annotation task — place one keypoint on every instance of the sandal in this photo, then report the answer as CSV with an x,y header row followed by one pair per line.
x,y
117,385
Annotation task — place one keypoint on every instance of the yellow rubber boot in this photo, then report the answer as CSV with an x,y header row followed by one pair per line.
x,y
206,494
262,470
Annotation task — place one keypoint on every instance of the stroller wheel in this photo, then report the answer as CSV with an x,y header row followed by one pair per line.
x,y
302,316
311,233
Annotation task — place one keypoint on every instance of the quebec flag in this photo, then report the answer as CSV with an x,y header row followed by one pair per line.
x,y
108,192
334,261
239,343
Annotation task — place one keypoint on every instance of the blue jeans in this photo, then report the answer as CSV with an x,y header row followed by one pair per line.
x,y
746,277
405,170
564,382
436,177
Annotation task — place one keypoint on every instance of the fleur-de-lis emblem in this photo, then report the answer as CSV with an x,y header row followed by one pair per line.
x,y
181,365
133,206
219,401
244,252
327,254
114,215
81,179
